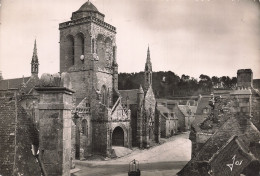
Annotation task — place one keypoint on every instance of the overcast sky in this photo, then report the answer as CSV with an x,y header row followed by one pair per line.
x,y
213,37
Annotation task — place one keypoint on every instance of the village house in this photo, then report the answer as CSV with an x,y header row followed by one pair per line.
x,y
227,133
168,121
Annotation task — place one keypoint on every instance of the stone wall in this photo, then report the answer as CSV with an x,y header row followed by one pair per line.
x,y
55,129
99,137
17,136
133,109
7,131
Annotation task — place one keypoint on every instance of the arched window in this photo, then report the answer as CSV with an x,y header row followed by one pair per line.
x,y
79,45
108,51
100,46
70,50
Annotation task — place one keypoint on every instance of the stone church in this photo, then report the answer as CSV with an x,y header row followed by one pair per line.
x,y
101,115
144,117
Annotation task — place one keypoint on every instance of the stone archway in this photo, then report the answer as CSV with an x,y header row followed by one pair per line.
x,y
118,137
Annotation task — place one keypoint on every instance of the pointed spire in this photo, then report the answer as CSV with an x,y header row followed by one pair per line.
x,y
148,71
35,57
34,62
148,59
148,64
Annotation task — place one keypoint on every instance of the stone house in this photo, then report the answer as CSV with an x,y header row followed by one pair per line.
x,y
168,122
187,113
232,136
227,134
183,109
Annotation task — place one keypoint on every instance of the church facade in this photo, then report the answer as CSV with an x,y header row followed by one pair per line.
x,y
101,114
88,54
145,120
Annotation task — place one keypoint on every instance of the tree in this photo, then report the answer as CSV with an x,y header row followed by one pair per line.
x,y
215,81
205,83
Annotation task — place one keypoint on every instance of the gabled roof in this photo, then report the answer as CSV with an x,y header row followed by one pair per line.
x,y
26,84
202,103
236,125
197,122
83,103
185,109
30,84
235,149
12,83
193,109
131,95
163,109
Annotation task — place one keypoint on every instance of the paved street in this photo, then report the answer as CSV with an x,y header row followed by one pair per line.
x,y
163,160
148,169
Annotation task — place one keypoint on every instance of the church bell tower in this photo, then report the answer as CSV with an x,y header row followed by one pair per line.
x,y
88,52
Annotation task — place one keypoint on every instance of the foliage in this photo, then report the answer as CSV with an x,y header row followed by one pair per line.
x,y
168,84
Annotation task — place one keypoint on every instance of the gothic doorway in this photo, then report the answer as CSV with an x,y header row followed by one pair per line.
x,y
118,137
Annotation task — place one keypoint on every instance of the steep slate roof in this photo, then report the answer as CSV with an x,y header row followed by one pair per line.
x,y
197,121
234,147
29,84
203,102
163,109
13,83
255,92
185,109
236,125
130,94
